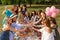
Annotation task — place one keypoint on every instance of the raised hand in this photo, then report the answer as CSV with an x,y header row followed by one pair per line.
x,y
6,27
18,33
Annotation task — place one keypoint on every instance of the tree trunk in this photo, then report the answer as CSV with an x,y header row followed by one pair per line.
x,y
52,1
19,3
30,2
30,5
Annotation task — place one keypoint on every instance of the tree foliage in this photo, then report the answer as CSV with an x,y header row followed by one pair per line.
x,y
29,2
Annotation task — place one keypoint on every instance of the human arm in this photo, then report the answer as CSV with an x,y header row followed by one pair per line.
x,y
27,25
3,12
7,27
37,21
23,29
36,29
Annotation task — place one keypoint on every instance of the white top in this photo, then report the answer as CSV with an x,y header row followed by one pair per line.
x,y
46,35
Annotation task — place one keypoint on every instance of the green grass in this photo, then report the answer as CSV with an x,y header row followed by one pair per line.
x,y
30,9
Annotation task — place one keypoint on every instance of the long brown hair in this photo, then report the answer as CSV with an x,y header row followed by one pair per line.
x,y
47,22
14,8
45,17
39,11
53,20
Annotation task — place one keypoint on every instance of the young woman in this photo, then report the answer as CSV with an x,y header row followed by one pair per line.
x,y
17,26
20,18
47,32
7,14
23,9
13,27
54,27
15,9
38,16
26,18
5,34
33,15
43,15
6,29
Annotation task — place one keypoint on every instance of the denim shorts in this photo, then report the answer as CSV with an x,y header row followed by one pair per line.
x,y
4,35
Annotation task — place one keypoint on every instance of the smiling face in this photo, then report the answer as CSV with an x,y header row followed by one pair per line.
x,y
43,15
27,14
15,9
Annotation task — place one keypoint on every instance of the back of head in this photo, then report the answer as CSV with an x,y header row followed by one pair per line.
x,y
47,22
53,20
48,29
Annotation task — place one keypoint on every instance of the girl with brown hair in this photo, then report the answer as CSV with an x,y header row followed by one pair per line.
x,y
47,32
54,27
15,9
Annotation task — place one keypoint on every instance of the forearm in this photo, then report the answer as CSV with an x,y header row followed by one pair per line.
x,y
35,29
7,27
3,12
27,25
37,21
13,29
22,29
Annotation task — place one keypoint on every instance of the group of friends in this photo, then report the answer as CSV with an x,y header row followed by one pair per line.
x,y
20,24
